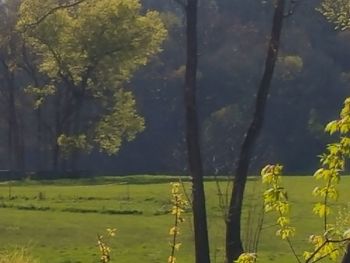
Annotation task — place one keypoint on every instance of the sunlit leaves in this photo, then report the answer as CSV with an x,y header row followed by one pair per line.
x,y
121,123
337,12
71,143
333,161
333,164
246,258
179,204
322,248
105,250
276,199
332,127
40,93
90,51
321,209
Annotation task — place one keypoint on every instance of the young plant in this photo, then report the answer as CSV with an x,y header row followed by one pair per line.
x,y
335,237
332,241
179,204
105,250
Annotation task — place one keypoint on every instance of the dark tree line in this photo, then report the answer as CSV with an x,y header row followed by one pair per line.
x,y
311,78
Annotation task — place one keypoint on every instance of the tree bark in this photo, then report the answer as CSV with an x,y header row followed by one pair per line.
x,y
346,257
234,245
15,143
192,138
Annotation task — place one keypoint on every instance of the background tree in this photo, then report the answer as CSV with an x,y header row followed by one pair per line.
x,y
87,53
192,137
234,247
10,47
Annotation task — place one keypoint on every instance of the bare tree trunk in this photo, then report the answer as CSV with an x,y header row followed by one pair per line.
x,y
346,257
56,134
192,138
15,131
33,73
233,224
15,143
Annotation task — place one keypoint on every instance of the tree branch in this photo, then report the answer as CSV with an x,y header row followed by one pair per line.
x,y
52,11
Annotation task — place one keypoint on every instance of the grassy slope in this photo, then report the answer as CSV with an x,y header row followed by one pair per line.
x,y
58,237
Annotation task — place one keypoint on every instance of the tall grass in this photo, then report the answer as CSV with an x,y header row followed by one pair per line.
x,y
19,255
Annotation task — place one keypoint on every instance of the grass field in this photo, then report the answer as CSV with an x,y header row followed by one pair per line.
x,y
59,220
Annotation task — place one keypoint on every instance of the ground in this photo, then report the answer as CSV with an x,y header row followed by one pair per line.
x,y
59,220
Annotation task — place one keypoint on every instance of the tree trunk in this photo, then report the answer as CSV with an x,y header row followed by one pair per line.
x,y
346,257
57,132
192,139
234,245
16,147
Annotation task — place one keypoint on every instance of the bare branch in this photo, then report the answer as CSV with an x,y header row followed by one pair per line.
x,y
51,12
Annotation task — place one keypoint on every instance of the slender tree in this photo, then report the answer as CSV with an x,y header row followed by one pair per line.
x,y
234,245
9,55
192,138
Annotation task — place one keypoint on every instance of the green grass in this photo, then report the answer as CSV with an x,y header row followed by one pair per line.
x,y
59,220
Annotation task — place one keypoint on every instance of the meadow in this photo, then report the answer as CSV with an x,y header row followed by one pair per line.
x,y
58,221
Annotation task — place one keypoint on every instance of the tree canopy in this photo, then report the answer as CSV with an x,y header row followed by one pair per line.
x,y
87,54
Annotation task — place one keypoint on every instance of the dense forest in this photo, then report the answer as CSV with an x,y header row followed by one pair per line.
x,y
124,114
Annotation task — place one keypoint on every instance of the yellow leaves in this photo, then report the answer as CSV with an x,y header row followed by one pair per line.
x,y
333,163
276,200
331,175
271,173
104,248
321,209
327,191
322,248
246,258
179,206
283,221
111,231
332,127
174,231
175,188
171,259
286,232
177,246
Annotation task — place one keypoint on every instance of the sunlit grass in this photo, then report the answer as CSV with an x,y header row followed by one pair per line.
x,y
18,255
60,236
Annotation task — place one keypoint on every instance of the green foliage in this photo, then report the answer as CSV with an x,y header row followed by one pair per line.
x,y
276,200
122,122
337,12
40,93
335,236
246,258
89,52
179,205
289,66
332,241
72,143
105,250
110,38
